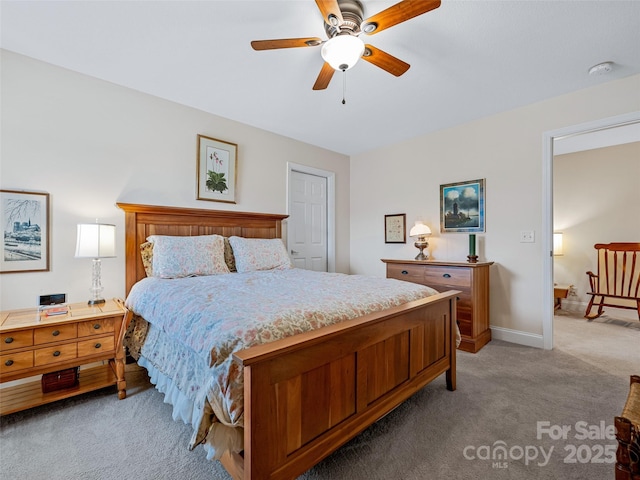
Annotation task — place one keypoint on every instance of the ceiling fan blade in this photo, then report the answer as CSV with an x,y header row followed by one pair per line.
x,y
324,78
286,43
398,13
387,62
330,11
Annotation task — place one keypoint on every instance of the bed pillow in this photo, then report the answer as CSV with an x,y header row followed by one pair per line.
x,y
177,257
253,254
146,252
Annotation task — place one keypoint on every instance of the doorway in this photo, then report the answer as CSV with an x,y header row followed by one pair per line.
x,y
311,222
547,198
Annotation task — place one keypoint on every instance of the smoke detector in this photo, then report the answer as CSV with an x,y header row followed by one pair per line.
x,y
601,68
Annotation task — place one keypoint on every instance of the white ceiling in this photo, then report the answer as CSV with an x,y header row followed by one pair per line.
x,y
469,59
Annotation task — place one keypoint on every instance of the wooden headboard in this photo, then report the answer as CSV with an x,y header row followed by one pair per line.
x,y
144,220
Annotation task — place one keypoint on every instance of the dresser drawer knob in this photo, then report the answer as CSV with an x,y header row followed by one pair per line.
x,y
446,275
98,345
8,340
55,333
8,363
404,272
96,326
56,353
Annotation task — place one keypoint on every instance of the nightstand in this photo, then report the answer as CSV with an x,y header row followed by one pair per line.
x,y
472,279
32,344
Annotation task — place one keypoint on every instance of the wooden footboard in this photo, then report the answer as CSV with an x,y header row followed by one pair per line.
x,y
307,395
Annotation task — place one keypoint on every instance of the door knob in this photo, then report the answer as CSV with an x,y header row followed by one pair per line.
x,y
293,252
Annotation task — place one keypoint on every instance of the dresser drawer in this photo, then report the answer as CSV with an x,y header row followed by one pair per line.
x,y
9,341
96,327
54,333
59,353
408,273
466,327
456,277
12,362
95,346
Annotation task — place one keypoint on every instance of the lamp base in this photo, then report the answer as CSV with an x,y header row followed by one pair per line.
x,y
472,258
421,244
98,301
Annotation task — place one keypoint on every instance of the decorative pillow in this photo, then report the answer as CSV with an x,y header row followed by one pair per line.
x,y
253,254
229,259
177,257
146,252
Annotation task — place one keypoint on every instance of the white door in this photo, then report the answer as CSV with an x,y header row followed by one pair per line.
x,y
307,224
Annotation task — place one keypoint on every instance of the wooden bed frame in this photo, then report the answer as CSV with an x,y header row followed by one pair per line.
x,y
307,395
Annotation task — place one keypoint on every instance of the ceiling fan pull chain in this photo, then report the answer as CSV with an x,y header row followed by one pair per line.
x,y
344,86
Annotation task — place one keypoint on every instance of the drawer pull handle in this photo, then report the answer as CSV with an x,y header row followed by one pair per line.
x,y
98,345
55,333
446,275
8,340
56,353
96,326
8,363
404,272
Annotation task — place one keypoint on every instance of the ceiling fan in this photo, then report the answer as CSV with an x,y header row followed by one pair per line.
x,y
343,23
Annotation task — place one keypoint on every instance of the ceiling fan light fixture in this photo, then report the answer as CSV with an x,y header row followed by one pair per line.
x,y
342,51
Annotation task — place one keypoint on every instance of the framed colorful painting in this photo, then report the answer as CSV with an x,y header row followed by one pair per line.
x,y
217,163
462,207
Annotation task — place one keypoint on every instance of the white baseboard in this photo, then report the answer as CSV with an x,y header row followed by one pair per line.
x,y
518,337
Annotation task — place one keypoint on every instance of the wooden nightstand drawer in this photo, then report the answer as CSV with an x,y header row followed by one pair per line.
x,y
408,273
9,341
16,361
59,353
456,277
54,333
96,327
32,344
95,346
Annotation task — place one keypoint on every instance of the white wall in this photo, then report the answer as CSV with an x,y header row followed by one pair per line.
x,y
90,144
506,150
595,196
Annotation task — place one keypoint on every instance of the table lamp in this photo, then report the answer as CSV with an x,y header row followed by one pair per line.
x,y
421,231
96,241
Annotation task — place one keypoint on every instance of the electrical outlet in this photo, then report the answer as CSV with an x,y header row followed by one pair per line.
x,y
527,236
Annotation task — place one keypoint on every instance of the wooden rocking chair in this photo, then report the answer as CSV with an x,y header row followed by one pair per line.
x,y
618,278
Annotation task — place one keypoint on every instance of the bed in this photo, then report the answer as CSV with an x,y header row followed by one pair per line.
x,y
304,394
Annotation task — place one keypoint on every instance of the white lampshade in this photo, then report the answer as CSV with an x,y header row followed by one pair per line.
x,y
342,51
96,240
557,244
419,230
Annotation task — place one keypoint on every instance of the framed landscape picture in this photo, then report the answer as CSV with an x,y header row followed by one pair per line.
x,y
462,207
217,163
25,231
395,230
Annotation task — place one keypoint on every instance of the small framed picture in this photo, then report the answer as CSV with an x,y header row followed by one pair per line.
x,y
25,228
462,207
395,230
217,163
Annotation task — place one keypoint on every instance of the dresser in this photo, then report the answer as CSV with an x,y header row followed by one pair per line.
x,y
472,279
32,343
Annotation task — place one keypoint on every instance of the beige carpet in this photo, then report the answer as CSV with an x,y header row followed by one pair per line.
x,y
504,391
609,342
